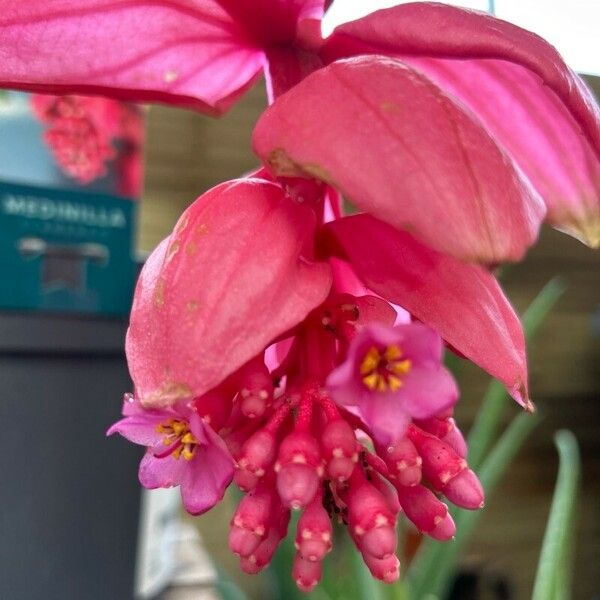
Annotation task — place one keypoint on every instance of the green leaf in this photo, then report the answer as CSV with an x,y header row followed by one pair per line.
x,y
227,589
554,569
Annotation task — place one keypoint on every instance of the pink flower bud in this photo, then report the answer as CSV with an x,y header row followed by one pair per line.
x,y
454,438
372,524
256,388
314,532
422,507
262,555
338,442
440,461
403,461
444,529
306,573
297,484
258,453
465,490
385,569
251,520
298,469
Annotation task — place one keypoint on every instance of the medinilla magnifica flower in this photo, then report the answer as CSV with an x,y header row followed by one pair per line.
x,y
250,321
308,342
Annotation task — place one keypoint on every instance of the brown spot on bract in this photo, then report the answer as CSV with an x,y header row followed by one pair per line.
x,y
388,106
168,393
201,229
173,249
191,248
283,165
192,306
159,293
183,223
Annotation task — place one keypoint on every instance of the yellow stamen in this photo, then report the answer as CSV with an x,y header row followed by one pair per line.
x,y
381,371
175,431
370,361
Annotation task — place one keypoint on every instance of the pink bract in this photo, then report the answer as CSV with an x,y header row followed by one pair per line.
x,y
229,280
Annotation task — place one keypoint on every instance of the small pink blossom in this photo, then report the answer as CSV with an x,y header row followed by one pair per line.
x,y
181,450
391,376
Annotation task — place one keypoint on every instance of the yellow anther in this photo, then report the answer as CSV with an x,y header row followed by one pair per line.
x,y
370,361
189,438
188,451
178,433
400,367
392,352
394,382
381,371
371,381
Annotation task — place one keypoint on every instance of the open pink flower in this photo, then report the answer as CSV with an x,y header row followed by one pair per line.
x,y
391,376
181,450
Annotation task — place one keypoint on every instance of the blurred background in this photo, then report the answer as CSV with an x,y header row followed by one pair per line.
x,y
73,522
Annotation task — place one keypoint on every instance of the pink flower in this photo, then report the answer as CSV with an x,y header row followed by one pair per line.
x,y
249,279
82,131
391,376
182,450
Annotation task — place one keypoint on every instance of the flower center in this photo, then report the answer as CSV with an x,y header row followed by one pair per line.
x,y
381,371
179,438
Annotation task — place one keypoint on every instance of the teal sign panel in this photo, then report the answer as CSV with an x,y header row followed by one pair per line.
x,y
65,251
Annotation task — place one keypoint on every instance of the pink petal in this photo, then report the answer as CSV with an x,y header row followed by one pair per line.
x,y
427,391
464,303
140,429
498,69
401,149
229,280
207,476
385,419
161,472
184,53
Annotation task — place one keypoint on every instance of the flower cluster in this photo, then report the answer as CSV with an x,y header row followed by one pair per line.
x,y
347,417
274,340
82,131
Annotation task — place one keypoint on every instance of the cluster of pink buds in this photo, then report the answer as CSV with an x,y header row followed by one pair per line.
x,y
307,453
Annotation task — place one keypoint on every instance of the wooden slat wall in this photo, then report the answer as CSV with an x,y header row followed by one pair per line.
x,y
188,153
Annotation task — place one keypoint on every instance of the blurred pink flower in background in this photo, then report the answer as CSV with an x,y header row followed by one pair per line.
x,y
86,133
